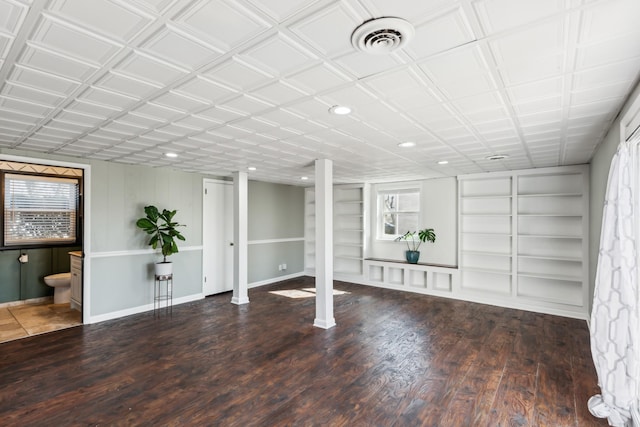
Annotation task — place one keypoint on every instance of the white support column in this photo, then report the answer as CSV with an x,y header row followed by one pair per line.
x,y
240,226
324,244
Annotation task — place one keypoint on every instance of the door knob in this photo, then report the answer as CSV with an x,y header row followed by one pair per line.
x,y
230,243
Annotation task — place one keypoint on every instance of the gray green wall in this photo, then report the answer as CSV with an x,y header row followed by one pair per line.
x,y
121,275
26,281
122,281
600,164
276,211
121,265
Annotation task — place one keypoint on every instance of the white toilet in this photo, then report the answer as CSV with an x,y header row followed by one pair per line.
x,y
61,284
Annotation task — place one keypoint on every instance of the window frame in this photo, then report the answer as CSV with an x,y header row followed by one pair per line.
x,y
35,245
380,235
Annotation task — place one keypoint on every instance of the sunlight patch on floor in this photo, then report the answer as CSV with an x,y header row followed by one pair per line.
x,y
303,293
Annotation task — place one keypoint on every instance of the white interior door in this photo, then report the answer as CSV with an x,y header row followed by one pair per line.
x,y
217,230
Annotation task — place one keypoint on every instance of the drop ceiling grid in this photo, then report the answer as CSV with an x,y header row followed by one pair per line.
x,y
154,72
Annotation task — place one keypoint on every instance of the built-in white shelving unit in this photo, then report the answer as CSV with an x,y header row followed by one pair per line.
x,y
486,230
524,238
348,230
309,231
349,221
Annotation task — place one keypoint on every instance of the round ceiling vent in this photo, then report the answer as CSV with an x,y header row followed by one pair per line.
x,y
382,35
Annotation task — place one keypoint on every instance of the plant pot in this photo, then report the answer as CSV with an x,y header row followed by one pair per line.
x,y
164,268
412,256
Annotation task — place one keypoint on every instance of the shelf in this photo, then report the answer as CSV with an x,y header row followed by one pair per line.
x,y
549,236
552,277
551,195
353,245
349,229
349,215
487,234
486,270
348,202
488,196
348,257
486,253
550,215
487,214
551,258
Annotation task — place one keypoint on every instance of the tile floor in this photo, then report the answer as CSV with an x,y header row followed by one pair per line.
x,y
21,321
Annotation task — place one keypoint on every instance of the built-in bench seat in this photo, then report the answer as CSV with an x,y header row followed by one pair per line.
x,y
421,277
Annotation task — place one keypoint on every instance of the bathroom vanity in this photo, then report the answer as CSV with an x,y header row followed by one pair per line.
x,y
76,279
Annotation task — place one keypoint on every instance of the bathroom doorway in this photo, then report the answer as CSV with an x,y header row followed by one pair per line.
x,y
26,302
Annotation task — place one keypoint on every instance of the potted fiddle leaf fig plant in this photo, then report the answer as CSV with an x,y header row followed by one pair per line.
x,y
163,231
414,239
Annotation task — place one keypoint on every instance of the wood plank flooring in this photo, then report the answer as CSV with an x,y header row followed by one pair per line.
x,y
394,359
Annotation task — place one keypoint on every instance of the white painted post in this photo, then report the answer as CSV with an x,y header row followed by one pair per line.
x,y
240,248
324,244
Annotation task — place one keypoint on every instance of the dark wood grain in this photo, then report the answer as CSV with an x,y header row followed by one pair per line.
x,y
394,359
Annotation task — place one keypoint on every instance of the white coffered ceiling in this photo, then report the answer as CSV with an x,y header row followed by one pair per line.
x,y
232,84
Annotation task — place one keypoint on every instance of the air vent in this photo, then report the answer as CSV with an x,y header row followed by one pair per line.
x,y
382,35
497,157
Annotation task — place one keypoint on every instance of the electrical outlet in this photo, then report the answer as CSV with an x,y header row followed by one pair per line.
x,y
279,267
284,266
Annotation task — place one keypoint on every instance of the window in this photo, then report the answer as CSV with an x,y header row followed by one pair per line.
x,y
40,210
398,213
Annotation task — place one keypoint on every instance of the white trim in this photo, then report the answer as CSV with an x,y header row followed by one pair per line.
x,y
380,235
108,254
140,309
217,181
524,172
513,305
399,186
268,241
86,236
276,279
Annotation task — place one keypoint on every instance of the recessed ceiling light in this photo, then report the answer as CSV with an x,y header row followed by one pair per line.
x,y
304,178
497,157
443,162
172,155
251,168
340,110
407,144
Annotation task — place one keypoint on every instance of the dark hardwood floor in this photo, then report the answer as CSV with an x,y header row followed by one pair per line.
x,y
394,359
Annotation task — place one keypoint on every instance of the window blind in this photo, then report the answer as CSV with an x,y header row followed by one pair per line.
x,y
39,209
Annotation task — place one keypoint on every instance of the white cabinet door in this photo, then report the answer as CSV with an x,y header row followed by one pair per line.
x,y
76,282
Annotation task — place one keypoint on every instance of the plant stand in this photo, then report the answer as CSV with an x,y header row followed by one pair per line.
x,y
163,292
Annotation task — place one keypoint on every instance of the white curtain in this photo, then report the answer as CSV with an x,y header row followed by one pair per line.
x,y
615,326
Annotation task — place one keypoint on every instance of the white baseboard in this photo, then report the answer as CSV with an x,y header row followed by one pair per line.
x,y
149,307
515,305
140,309
276,279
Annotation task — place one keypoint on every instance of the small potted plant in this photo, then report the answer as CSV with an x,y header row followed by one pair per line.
x,y
163,231
414,239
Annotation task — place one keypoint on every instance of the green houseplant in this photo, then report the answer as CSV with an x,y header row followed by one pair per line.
x,y
163,231
414,239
